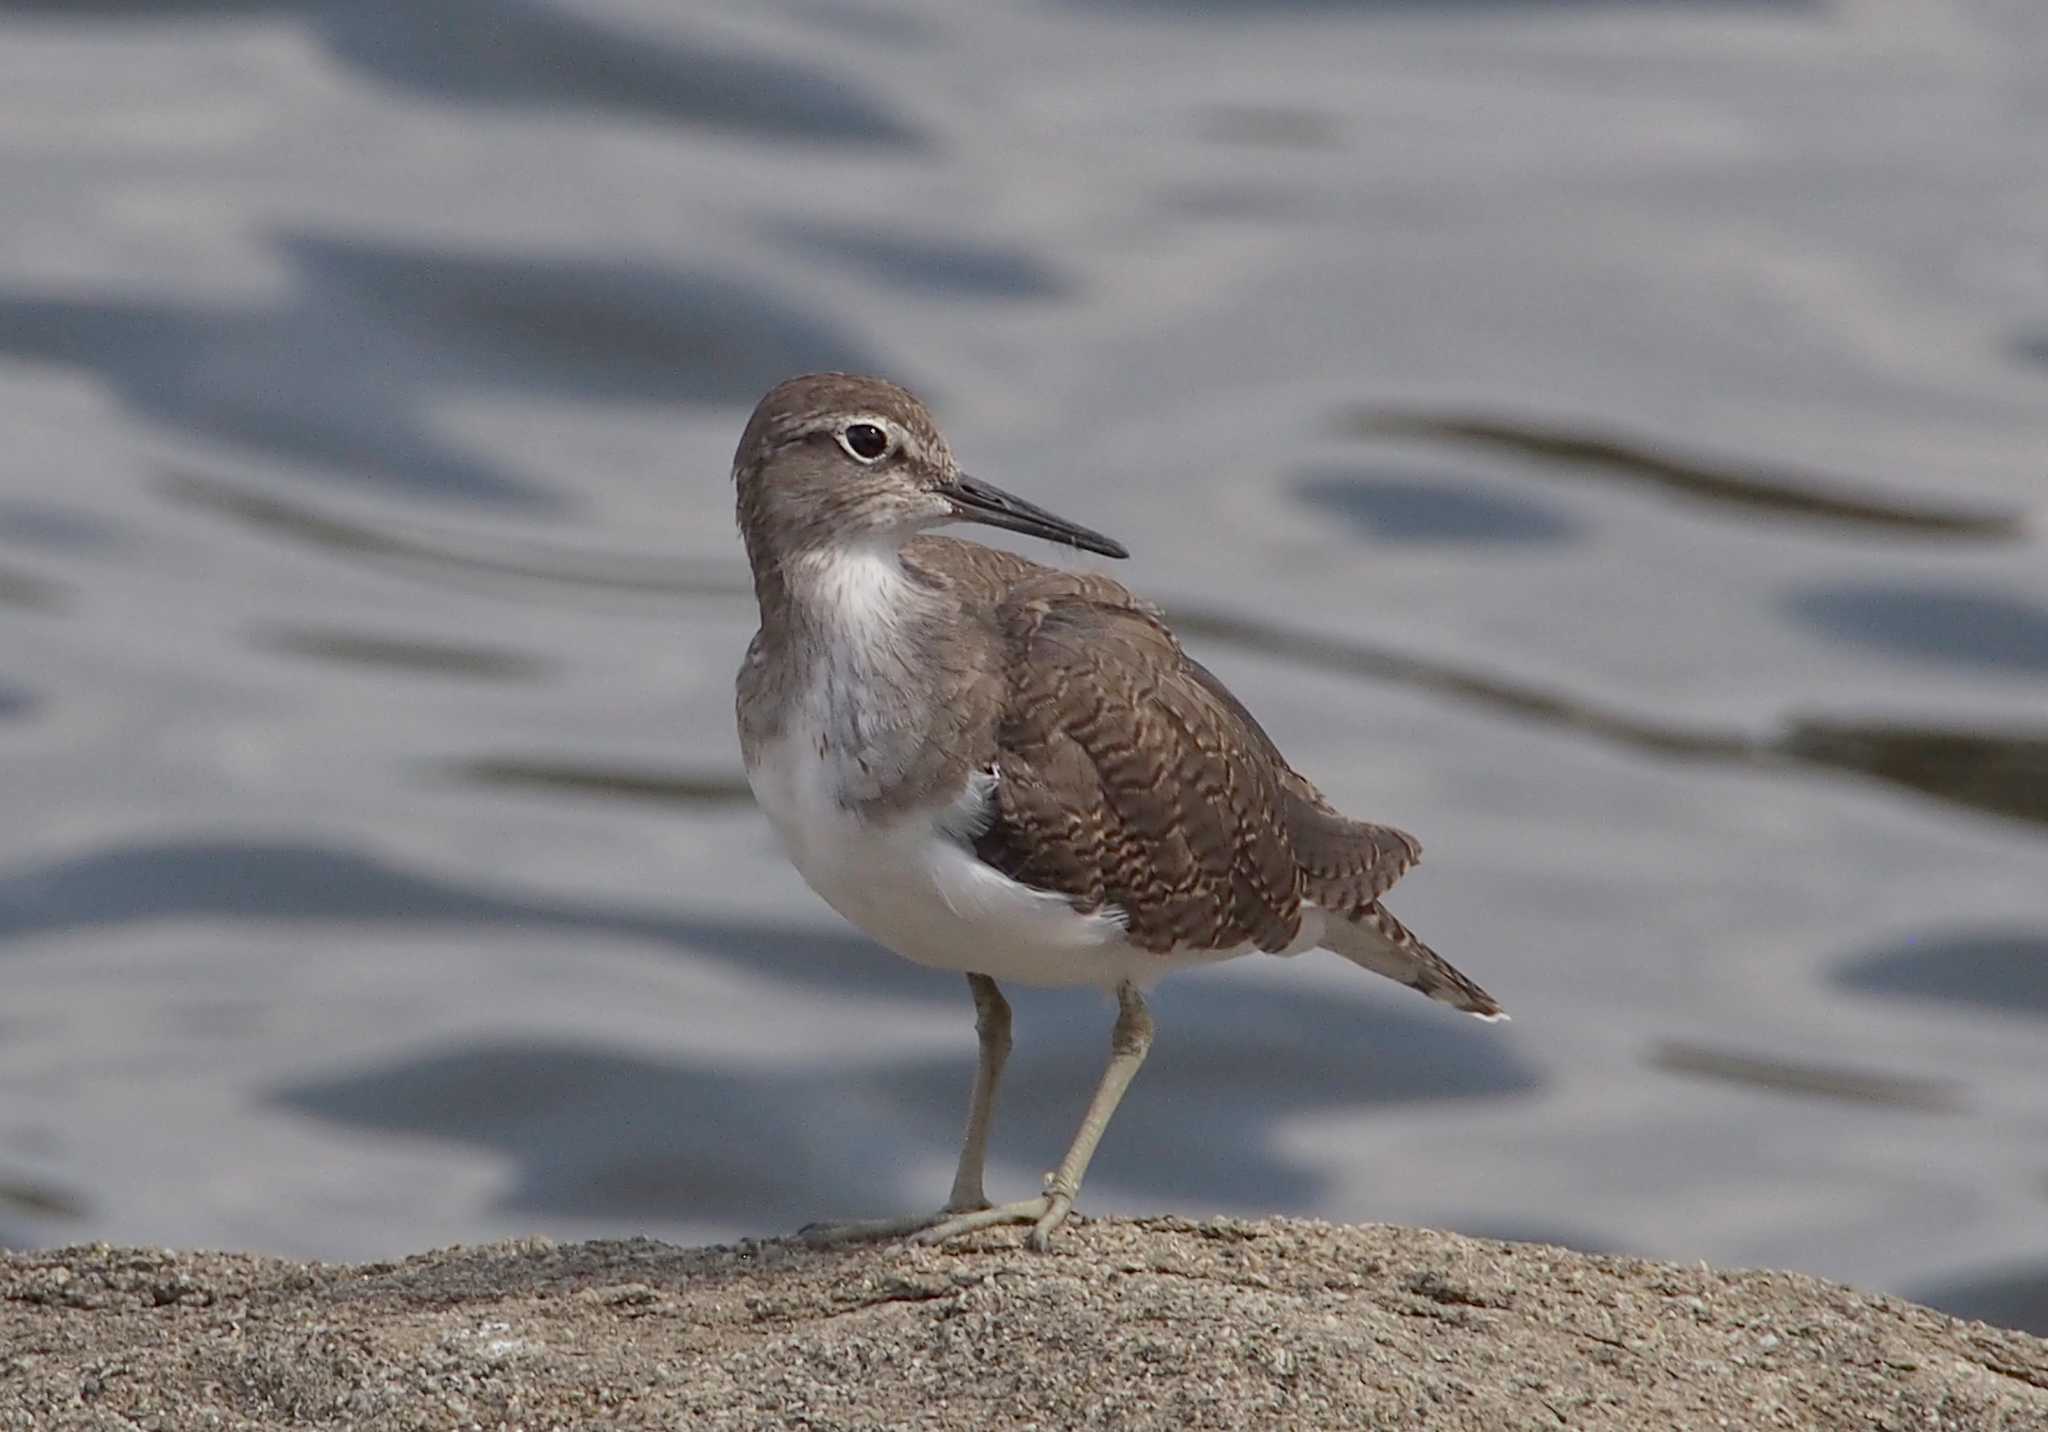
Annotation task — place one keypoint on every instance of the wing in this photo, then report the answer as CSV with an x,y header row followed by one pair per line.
x,y
1127,777
1182,810
1345,864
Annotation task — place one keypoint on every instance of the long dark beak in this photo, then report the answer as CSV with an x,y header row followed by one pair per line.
x,y
977,501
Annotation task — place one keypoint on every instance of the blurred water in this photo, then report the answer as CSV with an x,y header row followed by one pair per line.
x,y
1606,440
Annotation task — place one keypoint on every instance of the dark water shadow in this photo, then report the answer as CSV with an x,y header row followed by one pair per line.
x,y
286,519
1999,772
1938,626
1813,1081
928,267
2005,970
297,881
302,385
1747,491
341,373
2032,348
15,701
24,1197
29,1202
614,329
464,660
53,527
596,1132
546,775
25,591
2007,1298
1271,126
1427,508
529,55
593,1133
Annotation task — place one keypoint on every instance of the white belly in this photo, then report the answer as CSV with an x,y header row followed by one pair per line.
x,y
912,884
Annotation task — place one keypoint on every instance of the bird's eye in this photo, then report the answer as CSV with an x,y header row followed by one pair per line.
x,y
865,441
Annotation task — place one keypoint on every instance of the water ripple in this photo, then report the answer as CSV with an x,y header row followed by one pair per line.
x,y
571,324
409,654
1820,1081
927,266
303,524
1999,771
301,880
342,373
506,53
29,592
605,781
1749,491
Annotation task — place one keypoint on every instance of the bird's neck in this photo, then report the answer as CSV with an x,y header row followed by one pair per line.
x,y
856,646
856,594
860,632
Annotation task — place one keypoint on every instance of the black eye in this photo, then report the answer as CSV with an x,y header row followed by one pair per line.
x,y
866,441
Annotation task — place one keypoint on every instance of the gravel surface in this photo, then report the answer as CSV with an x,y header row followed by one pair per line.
x,y
1152,1323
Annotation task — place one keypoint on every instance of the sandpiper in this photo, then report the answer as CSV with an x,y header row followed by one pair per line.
x,y
1014,771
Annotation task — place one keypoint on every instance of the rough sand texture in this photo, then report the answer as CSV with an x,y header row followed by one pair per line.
x,y
1157,1323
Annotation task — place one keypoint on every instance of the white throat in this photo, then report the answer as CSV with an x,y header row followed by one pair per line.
x,y
856,592
863,696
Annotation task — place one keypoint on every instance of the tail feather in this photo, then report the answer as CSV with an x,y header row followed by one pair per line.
x,y
1375,940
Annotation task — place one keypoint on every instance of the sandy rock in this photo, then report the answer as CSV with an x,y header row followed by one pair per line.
x,y
1152,1323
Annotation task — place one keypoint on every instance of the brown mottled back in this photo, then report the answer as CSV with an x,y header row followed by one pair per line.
x,y
1129,776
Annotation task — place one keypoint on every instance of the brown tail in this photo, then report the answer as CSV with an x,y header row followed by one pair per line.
x,y
1375,940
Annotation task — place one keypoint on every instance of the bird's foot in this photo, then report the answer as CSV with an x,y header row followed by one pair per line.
x,y
839,1234
1045,1213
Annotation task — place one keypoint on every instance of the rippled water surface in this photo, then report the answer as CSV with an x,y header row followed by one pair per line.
x,y
1608,440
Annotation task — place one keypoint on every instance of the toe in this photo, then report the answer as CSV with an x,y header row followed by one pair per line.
x,y
1050,1222
1029,1211
872,1230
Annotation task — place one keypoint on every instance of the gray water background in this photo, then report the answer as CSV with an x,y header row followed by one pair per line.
x,y
1606,439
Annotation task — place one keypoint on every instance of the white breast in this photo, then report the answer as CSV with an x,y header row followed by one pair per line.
x,y
910,884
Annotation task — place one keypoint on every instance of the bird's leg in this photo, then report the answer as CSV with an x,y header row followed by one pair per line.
x,y
1127,1046
992,1025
